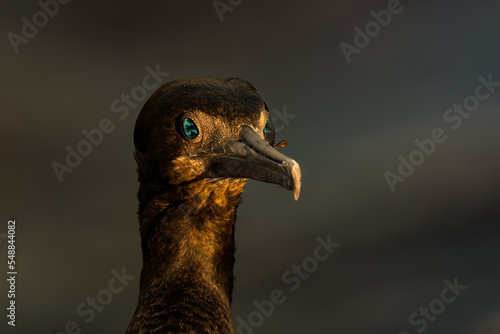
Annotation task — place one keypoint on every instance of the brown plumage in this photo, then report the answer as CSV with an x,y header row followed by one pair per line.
x,y
197,142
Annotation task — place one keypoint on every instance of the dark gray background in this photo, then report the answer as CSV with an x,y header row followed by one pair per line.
x,y
352,122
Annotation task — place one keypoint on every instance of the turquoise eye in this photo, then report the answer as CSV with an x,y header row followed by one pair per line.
x,y
190,129
268,126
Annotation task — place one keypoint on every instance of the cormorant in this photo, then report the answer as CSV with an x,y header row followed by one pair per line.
x,y
197,141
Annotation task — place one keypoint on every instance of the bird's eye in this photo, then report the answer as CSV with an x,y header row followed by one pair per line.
x,y
189,128
268,126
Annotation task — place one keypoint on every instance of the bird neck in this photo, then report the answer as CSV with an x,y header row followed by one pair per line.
x,y
188,256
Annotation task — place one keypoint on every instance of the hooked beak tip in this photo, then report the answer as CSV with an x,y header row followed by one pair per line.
x,y
296,179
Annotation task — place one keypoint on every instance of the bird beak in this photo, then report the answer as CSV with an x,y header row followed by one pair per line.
x,y
251,157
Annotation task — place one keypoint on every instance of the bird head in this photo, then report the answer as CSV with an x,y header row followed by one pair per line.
x,y
209,129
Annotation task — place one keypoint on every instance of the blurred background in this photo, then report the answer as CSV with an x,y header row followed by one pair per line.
x,y
347,119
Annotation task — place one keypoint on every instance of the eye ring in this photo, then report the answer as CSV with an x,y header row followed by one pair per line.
x,y
189,128
268,126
